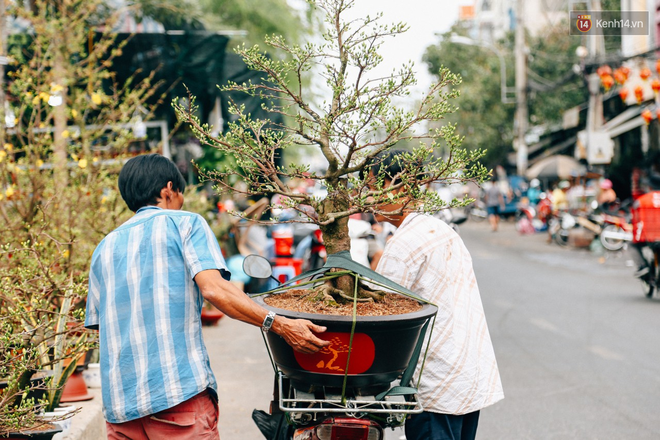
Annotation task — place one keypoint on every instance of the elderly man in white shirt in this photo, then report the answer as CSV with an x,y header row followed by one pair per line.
x,y
460,374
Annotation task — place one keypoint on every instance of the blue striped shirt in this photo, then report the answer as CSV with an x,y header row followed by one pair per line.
x,y
146,306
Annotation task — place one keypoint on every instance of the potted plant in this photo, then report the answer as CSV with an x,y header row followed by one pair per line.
x,y
210,314
359,121
360,118
66,128
366,353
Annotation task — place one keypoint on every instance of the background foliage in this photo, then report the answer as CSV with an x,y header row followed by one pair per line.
x,y
72,126
485,121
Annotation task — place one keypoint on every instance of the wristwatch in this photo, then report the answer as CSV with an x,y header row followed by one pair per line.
x,y
268,322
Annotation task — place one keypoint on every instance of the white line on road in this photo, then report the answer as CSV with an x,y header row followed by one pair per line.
x,y
545,325
605,353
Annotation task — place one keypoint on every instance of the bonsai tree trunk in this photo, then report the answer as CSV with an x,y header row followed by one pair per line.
x,y
336,239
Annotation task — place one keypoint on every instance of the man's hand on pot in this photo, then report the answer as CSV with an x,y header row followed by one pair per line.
x,y
299,334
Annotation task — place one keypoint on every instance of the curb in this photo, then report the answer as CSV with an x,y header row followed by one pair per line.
x,y
89,423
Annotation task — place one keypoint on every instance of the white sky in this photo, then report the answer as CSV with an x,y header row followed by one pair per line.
x,y
425,18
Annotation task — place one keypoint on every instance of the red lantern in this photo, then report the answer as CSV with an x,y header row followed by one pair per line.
x,y
657,112
619,76
607,81
625,71
623,93
639,94
655,85
657,66
604,70
645,73
647,115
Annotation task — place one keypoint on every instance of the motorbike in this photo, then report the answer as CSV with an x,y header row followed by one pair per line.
x,y
327,413
559,227
650,281
616,231
613,228
613,231
476,211
646,240
452,217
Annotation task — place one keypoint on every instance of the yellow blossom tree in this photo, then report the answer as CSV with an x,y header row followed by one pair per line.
x,y
67,127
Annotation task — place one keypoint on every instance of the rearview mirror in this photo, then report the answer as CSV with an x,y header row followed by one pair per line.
x,y
257,266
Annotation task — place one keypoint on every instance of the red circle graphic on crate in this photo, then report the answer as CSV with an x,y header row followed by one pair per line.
x,y
332,359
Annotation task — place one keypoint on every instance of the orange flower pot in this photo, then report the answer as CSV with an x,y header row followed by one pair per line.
x,y
75,389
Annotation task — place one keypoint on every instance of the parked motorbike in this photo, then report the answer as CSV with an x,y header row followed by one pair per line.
x,y
530,218
327,413
559,227
613,229
615,233
452,217
476,211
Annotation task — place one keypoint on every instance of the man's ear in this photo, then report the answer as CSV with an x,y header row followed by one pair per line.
x,y
167,191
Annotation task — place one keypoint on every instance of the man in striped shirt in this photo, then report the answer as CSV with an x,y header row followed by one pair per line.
x,y
148,280
460,375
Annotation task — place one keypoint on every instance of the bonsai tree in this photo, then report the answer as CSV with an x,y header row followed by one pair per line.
x,y
359,120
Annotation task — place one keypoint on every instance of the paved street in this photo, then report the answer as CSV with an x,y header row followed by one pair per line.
x,y
576,342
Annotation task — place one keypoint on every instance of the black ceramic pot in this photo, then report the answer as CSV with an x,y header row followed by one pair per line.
x,y
38,387
382,349
46,432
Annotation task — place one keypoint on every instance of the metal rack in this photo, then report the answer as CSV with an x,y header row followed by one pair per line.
x,y
303,406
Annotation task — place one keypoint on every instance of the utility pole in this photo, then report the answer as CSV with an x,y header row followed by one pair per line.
x,y
596,49
522,116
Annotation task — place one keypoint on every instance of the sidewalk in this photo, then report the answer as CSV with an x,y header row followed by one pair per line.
x,y
245,375
89,423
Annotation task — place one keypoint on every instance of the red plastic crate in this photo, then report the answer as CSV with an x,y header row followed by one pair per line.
x,y
646,218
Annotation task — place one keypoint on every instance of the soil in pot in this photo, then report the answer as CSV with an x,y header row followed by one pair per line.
x,y
44,432
298,300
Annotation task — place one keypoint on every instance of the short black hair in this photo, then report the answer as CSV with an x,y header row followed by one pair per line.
x,y
392,163
143,177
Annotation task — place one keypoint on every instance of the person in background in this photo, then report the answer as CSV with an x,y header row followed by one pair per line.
x,y
576,196
460,371
559,199
148,280
534,192
494,199
606,197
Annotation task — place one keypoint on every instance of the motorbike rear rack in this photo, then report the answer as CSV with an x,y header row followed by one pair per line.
x,y
299,403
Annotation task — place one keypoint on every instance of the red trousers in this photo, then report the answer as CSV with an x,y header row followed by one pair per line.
x,y
196,418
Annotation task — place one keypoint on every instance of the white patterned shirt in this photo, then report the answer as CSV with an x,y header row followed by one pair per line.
x,y
146,306
428,257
